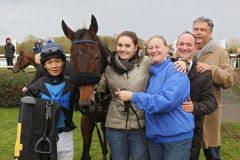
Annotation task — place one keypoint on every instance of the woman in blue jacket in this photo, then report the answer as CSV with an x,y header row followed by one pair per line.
x,y
169,129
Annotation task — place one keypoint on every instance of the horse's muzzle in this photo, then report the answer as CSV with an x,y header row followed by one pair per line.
x,y
81,79
84,105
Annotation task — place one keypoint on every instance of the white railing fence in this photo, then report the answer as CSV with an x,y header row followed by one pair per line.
x,y
235,62
3,62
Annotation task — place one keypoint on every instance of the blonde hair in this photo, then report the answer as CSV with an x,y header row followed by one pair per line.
x,y
158,37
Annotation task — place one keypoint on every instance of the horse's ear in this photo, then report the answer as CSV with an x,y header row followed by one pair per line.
x,y
67,31
93,26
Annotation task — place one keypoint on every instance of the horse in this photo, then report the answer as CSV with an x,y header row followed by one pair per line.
x,y
88,58
24,60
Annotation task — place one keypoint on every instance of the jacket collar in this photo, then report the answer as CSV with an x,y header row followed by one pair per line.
x,y
155,68
55,79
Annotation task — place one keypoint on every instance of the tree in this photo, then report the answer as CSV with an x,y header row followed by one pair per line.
x,y
110,41
64,42
27,44
2,50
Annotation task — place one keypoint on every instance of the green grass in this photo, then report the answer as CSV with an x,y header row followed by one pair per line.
x,y
8,122
8,126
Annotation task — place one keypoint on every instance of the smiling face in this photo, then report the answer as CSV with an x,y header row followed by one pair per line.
x,y
125,47
54,66
203,34
186,46
157,50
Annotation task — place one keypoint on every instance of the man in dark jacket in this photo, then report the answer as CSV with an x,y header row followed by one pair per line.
x,y
9,51
37,46
201,101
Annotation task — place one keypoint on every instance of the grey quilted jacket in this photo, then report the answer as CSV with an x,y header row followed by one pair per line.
x,y
135,80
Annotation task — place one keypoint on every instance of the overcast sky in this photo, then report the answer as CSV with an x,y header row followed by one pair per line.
x,y
42,18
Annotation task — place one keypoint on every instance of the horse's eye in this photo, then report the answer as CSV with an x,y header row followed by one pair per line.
x,y
96,58
80,53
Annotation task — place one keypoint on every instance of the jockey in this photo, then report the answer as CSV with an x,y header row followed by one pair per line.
x,y
55,87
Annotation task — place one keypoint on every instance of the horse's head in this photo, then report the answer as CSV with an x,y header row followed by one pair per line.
x,y
85,59
23,60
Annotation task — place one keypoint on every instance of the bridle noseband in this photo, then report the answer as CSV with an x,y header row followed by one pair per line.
x,y
84,41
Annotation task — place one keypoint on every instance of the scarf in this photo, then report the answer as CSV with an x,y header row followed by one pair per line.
x,y
206,49
123,66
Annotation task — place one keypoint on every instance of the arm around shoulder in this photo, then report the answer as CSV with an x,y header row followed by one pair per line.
x,y
208,102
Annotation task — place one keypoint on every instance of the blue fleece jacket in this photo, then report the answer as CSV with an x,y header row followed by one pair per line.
x,y
166,122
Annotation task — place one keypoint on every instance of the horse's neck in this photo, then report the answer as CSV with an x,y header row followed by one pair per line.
x,y
31,59
105,52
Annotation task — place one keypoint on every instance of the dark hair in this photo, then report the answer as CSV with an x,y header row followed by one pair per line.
x,y
129,34
205,19
8,38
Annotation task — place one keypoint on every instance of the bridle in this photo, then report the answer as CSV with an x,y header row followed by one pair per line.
x,y
19,65
84,41
20,59
96,104
87,78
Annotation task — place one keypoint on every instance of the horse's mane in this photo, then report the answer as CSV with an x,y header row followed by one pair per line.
x,y
27,54
20,55
105,52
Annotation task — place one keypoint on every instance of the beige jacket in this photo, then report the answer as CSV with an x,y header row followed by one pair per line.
x,y
223,77
136,80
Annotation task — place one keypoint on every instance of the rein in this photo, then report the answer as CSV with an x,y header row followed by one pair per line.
x,y
127,105
80,79
99,98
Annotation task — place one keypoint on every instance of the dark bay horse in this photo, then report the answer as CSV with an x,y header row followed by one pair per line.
x,y
88,57
24,60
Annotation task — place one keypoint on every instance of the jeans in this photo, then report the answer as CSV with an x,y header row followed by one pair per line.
x,y
170,151
124,144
